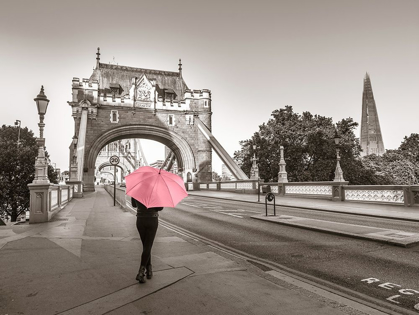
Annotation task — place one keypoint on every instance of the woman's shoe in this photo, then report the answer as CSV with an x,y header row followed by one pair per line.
x,y
149,272
141,275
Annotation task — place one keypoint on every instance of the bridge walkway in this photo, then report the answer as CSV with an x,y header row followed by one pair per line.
x,y
86,259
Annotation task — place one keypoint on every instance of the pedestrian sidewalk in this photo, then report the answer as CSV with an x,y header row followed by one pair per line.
x,y
86,259
390,236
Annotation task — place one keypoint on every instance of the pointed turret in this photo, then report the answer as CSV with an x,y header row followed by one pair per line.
x,y
180,67
371,139
98,58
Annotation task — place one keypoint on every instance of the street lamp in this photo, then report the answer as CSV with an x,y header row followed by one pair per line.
x,y
338,171
17,123
42,104
254,172
41,164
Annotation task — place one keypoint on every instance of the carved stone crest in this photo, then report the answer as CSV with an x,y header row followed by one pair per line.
x,y
143,91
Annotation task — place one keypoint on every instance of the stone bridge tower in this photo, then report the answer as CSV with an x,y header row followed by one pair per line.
x,y
119,102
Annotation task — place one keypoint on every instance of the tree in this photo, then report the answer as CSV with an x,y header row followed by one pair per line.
x,y
215,177
410,147
17,170
396,167
310,152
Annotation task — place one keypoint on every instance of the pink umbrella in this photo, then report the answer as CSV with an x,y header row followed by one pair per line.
x,y
155,187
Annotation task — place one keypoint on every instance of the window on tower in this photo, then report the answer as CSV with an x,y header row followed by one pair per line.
x,y
171,120
114,116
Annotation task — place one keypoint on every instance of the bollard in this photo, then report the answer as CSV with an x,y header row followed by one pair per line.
x,y
269,197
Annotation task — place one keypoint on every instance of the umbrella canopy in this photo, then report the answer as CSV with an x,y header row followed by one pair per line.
x,y
155,187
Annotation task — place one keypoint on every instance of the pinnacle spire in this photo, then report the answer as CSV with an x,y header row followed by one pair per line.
x,y
371,139
180,67
97,58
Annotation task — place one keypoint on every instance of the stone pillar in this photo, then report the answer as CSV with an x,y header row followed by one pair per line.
x,y
204,154
81,144
282,174
77,188
338,170
73,176
254,171
40,202
41,164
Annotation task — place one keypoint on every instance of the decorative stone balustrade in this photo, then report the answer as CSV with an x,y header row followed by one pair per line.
x,y
242,186
338,191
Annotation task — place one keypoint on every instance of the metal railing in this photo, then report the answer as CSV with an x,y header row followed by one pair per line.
x,y
120,198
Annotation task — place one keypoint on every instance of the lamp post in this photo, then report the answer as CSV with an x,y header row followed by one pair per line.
x,y
254,171
41,164
338,171
17,123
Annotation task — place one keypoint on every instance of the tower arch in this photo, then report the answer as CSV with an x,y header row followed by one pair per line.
x,y
179,146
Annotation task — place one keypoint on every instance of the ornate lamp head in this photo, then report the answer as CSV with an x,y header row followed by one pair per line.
x,y
337,137
41,102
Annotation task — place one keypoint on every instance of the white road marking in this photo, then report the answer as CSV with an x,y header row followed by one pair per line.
x,y
219,209
189,204
167,227
231,214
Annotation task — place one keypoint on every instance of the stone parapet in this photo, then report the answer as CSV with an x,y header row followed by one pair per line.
x,y
404,195
46,200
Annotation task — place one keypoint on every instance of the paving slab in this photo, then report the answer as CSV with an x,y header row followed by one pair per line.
x,y
394,237
130,294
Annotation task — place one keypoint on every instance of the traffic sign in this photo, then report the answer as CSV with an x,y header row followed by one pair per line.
x,y
114,160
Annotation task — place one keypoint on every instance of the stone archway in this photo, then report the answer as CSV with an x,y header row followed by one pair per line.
x,y
179,146
100,171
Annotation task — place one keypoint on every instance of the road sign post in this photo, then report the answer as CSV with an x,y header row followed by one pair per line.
x,y
114,160
269,197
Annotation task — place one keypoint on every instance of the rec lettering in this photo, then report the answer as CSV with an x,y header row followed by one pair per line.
x,y
392,287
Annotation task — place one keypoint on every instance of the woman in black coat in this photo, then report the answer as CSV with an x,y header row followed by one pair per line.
x,y
147,224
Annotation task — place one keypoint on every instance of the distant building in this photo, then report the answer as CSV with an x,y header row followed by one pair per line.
x,y
65,176
225,173
371,139
160,164
157,164
131,155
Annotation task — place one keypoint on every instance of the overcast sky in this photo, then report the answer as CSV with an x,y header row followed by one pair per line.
x,y
255,57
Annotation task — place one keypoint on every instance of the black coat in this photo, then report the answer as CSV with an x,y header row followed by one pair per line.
x,y
140,207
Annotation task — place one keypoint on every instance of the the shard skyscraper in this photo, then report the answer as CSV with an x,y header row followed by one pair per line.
x,y
371,138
